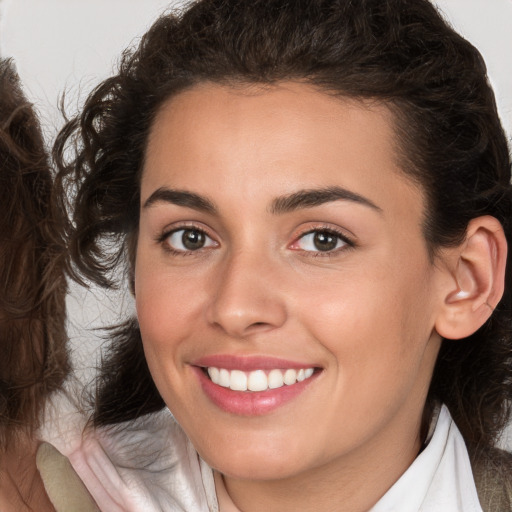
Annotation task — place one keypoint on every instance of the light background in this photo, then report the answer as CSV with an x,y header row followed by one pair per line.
x,y
71,45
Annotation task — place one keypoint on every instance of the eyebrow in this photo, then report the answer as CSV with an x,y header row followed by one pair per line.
x,y
180,198
310,198
307,198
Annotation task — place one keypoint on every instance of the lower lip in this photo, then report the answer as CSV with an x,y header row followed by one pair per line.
x,y
250,403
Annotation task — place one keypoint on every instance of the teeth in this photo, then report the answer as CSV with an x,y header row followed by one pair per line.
x,y
275,379
214,374
238,381
257,380
290,377
224,378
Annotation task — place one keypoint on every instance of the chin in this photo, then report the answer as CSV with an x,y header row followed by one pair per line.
x,y
255,463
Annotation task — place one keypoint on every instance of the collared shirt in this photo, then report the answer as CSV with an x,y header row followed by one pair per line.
x,y
150,465
440,478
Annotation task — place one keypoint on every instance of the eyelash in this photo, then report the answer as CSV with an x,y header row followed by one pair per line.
x,y
349,243
162,240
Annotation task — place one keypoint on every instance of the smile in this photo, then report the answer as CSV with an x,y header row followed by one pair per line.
x,y
257,380
253,385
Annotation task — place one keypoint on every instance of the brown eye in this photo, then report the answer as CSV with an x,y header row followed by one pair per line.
x,y
321,240
192,239
325,241
189,239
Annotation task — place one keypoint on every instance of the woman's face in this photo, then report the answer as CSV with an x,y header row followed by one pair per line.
x,y
281,248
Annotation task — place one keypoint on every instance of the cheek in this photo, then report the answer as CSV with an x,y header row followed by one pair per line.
x,y
376,322
162,295
162,318
377,333
170,307
164,324
162,310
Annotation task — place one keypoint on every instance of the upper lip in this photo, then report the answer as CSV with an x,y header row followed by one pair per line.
x,y
249,363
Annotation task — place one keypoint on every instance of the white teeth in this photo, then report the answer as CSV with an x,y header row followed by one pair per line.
x,y
214,374
224,378
257,380
290,377
275,379
238,381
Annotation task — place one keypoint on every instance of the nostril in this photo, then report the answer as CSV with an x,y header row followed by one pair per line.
x,y
257,327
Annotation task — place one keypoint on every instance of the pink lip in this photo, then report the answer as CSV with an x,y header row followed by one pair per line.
x,y
249,363
249,403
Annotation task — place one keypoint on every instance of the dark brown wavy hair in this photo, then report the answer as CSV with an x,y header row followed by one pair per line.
x,y
397,52
33,357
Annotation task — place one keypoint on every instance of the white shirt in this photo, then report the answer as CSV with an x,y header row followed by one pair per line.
x,y
149,465
440,478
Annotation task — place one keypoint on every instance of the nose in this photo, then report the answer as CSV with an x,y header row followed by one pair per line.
x,y
246,298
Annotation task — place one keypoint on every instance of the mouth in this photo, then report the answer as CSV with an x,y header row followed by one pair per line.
x,y
253,386
257,380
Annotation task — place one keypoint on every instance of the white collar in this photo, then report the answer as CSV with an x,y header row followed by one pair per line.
x,y
439,479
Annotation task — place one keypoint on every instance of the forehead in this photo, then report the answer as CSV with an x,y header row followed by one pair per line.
x,y
289,109
275,138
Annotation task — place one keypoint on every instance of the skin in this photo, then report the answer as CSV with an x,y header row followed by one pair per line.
x,y
364,315
21,486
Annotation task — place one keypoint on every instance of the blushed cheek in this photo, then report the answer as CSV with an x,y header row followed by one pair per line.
x,y
169,312
346,309
369,323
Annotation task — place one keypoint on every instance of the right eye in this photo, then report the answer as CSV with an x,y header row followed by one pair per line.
x,y
188,240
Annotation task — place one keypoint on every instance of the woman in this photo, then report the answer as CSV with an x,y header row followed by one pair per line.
x,y
33,353
312,202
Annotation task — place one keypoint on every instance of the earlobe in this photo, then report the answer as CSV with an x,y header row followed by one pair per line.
x,y
477,282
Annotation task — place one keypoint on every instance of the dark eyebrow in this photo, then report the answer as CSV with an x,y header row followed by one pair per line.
x,y
310,198
180,198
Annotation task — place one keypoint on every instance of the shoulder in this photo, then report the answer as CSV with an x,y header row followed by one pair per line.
x,y
492,471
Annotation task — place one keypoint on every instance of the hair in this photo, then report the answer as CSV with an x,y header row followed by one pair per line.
x,y
400,53
33,356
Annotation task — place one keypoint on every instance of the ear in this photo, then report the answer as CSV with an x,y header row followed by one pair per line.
x,y
478,279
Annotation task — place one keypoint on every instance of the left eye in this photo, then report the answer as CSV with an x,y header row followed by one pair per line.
x,y
320,241
189,239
